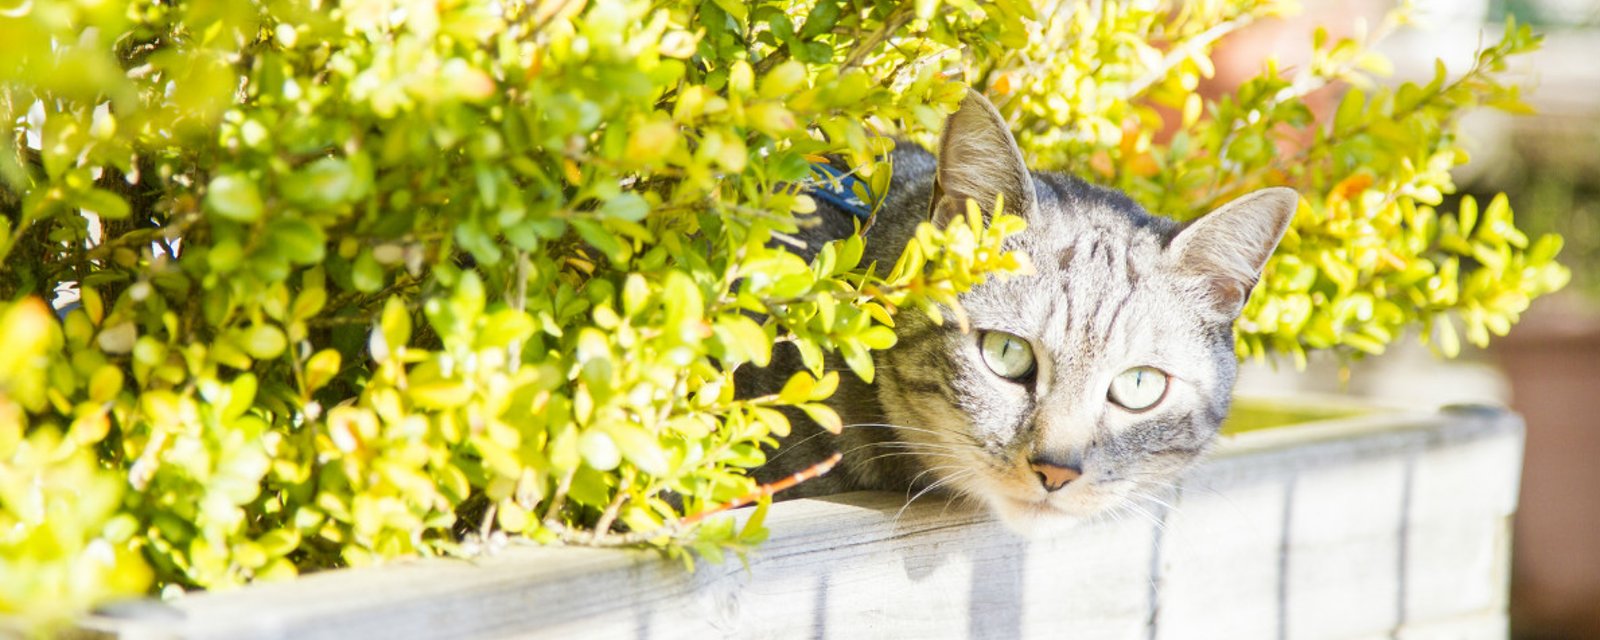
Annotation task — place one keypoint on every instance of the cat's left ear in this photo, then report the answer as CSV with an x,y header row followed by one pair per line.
x,y
1229,246
978,159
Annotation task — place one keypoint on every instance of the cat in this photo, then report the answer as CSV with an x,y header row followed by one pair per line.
x,y
1094,380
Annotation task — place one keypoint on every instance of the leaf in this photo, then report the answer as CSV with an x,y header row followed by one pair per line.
x,y
744,340
810,355
775,421
1468,215
755,531
440,395
651,142
821,19
640,448
324,183
264,342
367,274
858,358
504,327
825,386
877,337
321,368
234,197
627,206
301,241
635,294
241,396
735,8
824,416
783,80
798,389
599,450
93,304
1545,249
598,237
105,383
1348,116
394,326
117,338
105,203
308,303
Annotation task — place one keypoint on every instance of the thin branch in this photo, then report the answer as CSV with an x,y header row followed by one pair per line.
x,y
559,500
892,24
767,490
678,528
1188,49
609,516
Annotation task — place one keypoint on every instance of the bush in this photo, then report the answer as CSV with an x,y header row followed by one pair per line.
x,y
354,280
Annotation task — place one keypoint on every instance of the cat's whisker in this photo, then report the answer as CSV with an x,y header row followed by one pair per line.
x,y
942,433
1159,523
1173,489
942,481
1171,508
1118,512
890,425
1144,495
926,471
1114,513
908,447
925,446
958,495
909,453
791,446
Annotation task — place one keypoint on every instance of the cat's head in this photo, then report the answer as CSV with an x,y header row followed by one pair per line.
x,y
1100,376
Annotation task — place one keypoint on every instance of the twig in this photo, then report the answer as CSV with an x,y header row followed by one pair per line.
x,y
560,498
1183,52
609,516
677,528
892,24
767,490
772,60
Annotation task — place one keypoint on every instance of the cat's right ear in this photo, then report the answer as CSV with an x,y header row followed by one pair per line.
x,y
1230,246
978,159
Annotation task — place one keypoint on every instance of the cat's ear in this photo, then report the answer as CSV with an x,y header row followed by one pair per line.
x,y
978,159
1229,246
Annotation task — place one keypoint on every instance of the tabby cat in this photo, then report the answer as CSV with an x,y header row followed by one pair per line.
x,y
1092,381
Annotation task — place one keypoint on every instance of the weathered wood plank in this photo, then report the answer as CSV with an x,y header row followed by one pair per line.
x,y
1221,560
1344,577
1378,526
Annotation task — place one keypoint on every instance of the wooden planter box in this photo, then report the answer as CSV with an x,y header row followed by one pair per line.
x,y
1387,524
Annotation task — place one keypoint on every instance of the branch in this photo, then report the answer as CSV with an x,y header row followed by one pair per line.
x,y
1185,51
892,24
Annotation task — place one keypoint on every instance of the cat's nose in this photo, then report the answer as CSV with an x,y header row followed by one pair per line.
x,y
1054,476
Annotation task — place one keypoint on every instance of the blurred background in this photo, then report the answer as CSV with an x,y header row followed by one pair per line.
x,y
1548,369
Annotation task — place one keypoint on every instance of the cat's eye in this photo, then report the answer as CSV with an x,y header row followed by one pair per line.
x,y
1138,388
1008,356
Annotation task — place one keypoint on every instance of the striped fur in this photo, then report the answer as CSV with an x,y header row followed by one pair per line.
x,y
1114,287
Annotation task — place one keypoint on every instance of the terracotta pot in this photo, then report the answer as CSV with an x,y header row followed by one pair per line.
x,y
1553,362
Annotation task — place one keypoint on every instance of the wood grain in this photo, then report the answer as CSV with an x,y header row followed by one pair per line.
x,y
1385,525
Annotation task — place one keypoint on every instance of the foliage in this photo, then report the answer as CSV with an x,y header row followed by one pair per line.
x,y
1369,254
360,276
1558,178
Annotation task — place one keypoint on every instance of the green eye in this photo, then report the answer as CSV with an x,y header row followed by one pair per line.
x,y
1138,388
1008,356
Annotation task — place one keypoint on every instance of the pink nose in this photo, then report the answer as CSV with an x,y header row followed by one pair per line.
x,y
1052,476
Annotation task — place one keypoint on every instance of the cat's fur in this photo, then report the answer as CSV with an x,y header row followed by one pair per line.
x,y
1114,287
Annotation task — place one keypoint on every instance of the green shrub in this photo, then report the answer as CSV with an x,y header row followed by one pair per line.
x,y
362,276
